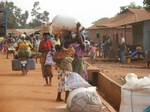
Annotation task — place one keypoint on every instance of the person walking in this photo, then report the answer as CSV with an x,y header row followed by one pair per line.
x,y
44,47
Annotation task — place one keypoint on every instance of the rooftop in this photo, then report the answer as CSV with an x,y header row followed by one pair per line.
x,y
126,18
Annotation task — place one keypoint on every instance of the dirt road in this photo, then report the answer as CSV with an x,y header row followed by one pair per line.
x,y
117,71
26,93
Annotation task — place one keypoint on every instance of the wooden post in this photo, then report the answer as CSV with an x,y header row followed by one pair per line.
x,y
125,35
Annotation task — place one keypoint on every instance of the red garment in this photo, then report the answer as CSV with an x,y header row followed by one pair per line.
x,y
46,45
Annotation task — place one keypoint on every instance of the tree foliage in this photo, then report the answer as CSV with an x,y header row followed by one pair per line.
x,y
132,5
24,18
14,15
38,17
146,4
16,18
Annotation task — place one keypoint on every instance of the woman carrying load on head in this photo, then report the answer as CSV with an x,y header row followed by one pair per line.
x,y
45,47
78,64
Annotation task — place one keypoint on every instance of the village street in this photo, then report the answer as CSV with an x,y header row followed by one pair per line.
x,y
20,93
26,93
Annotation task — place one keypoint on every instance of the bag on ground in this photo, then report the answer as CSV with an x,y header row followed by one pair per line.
x,y
84,100
135,94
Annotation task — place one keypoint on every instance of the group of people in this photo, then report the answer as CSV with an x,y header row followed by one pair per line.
x,y
16,44
66,52
63,50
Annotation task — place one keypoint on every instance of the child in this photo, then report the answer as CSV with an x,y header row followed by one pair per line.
x,y
48,67
66,66
93,53
69,80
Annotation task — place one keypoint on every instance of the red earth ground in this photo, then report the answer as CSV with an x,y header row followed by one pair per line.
x,y
117,71
27,93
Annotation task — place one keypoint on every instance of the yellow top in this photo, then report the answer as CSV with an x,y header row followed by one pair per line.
x,y
23,45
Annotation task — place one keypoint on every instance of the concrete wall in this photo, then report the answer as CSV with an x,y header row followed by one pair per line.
x,y
109,90
146,33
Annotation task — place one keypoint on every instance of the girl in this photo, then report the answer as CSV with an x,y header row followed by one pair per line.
x,y
48,67
69,80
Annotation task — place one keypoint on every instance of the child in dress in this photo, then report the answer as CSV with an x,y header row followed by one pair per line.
x,y
48,67
69,80
66,67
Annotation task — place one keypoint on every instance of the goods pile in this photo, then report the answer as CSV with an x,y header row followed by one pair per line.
x,y
84,100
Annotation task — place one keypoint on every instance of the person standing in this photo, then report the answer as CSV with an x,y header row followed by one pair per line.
x,y
36,46
65,65
44,47
78,64
93,52
122,51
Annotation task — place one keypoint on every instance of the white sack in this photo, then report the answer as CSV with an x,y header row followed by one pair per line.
x,y
74,81
63,23
84,100
135,94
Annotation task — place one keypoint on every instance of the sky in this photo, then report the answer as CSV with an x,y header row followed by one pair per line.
x,y
85,11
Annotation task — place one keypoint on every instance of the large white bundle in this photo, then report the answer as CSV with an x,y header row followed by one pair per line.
x,y
135,94
63,23
84,100
74,81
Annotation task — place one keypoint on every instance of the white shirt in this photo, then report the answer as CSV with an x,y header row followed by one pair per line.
x,y
49,59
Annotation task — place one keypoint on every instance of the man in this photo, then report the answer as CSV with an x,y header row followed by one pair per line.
x,y
44,47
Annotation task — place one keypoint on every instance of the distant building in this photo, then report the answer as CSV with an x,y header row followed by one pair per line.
x,y
133,24
99,31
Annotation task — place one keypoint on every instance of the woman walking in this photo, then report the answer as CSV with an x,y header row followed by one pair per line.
x,y
45,48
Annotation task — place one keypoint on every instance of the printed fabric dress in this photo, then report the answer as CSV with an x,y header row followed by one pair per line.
x,y
78,64
71,81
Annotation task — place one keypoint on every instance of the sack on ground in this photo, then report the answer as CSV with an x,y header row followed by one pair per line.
x,y
74,81
84,100
135,94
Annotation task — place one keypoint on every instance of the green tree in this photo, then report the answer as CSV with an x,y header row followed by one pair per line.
x,y
132,5
14,15
38,17
23,19
10,9
44,16
36,9
146,4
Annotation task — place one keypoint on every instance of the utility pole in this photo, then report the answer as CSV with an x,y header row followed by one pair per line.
x,y
5,15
